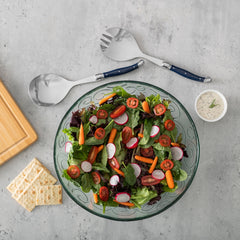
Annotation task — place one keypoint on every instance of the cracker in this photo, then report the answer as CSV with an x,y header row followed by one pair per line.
x,y
28,197
49,195
18,180
28,179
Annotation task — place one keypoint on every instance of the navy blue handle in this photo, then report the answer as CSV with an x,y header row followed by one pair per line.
x,y
189,75
123,70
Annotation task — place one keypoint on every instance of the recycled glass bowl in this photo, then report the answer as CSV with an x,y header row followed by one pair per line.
x,y
185,125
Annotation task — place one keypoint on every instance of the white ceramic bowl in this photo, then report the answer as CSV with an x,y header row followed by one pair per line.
x,y
223,112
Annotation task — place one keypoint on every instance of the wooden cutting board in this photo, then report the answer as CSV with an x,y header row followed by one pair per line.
x,y
16,133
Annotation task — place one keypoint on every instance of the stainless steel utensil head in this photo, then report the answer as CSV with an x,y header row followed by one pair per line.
x,y
119,45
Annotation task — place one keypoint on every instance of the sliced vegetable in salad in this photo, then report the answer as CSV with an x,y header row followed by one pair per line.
x,y
126,150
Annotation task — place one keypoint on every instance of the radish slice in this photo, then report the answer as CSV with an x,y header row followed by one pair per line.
x,y
93,119
122,119
68,147
122,197
114,180
154,131
137,169
132,143
177,153
158,174
86,166
111,149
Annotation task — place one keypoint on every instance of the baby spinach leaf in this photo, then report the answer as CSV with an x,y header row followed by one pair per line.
x,y
130,177
146,132
167,115
100,167
133,118
86,182
104,156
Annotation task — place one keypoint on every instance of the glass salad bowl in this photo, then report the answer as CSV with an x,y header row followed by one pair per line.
x,y
185,125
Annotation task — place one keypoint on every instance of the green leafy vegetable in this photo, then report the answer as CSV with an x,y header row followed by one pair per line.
x,y
212,105
78,153
153,100
86,182
76,181
121,92
146,132
133,117
167,115
104,156
130,177
141,196
100,167
167,189
69,132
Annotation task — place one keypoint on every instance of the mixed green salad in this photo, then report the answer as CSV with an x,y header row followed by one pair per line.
x,y
126,150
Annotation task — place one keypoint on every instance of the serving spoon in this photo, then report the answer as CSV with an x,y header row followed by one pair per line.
x,y
50,89
120,45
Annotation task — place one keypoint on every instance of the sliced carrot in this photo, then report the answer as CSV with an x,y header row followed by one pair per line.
x,y
100,148
156,141
175,144
153,165
112,135
81,135
106,98
95,197
119,172
144,159
169,179
140,135
145,107
128,204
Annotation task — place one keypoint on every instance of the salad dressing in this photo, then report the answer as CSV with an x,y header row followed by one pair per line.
x,y
210,105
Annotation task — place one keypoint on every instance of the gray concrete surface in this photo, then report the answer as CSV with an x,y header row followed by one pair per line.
x,y
62,37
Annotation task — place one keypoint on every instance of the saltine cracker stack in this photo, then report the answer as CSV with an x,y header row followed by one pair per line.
x,y
35,186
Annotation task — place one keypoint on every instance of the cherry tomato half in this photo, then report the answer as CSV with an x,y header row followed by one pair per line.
x,y
159,109
96,177
147,152
118,111
148,180
164,140
167,164
102,114
169,125
92,154
73,171
99,133
126,134
132,102
114,163
104,193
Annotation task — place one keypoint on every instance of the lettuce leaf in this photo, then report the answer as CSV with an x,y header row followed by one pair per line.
x,y
121,92
141,196
153,100
167,189
69,132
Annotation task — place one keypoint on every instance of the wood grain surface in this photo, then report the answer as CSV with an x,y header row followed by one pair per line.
x,y
16,133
